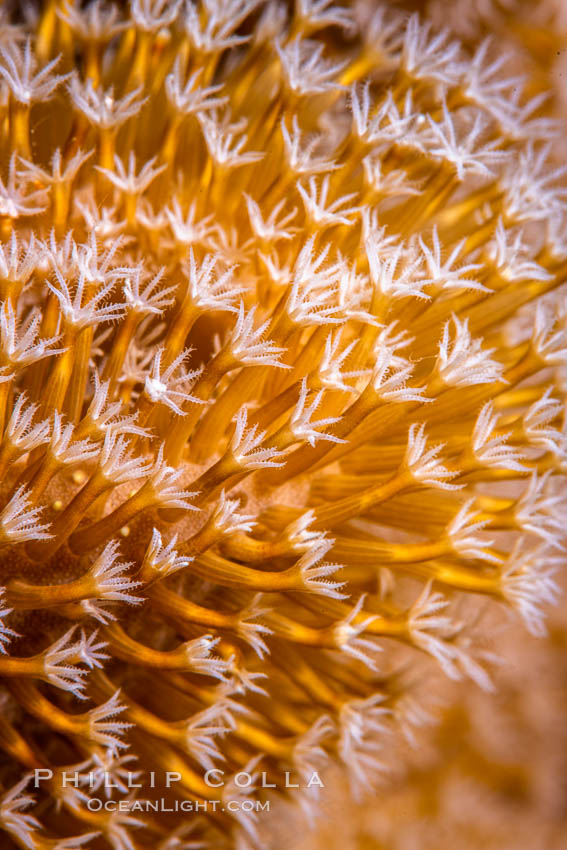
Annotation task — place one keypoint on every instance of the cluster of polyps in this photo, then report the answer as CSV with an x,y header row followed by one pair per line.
x,y
241,247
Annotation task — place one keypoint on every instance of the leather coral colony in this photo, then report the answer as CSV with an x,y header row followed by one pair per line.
x,y
281,384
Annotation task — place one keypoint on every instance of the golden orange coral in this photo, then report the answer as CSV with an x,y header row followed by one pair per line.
x,y
241,246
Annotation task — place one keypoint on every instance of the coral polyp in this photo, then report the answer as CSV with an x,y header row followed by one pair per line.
x,y
282,394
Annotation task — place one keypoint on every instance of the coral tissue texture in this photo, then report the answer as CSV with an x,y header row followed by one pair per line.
x,y
282,385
